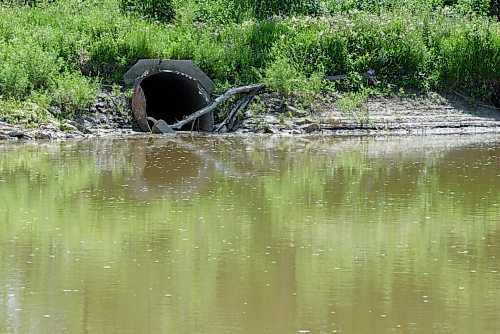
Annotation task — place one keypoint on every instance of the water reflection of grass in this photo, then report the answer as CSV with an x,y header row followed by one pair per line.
x,y
313,222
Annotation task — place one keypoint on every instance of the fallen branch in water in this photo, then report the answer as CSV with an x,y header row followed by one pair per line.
x,y
216,102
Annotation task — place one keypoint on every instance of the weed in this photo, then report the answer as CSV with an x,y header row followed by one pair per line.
x,y
355,104
162,10
73,93
284,77
282,118
265,127
257,106
18,112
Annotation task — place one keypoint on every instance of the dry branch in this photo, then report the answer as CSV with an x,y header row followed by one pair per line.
x,y
216,102
242,104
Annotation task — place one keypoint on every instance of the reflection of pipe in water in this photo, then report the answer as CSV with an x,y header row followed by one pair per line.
x,y
219,165
170,165
166,169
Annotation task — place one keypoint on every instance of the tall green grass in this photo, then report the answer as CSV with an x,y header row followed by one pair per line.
x,y
158,10
58,52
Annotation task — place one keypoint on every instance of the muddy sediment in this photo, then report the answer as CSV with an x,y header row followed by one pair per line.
x,y
409,115
110,115
436,114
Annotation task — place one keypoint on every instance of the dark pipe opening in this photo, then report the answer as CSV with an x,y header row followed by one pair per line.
x,y
172,95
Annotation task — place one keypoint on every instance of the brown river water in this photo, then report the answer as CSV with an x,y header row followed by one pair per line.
x,y
251,235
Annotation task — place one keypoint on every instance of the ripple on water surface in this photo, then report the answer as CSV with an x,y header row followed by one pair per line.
x,y
251,235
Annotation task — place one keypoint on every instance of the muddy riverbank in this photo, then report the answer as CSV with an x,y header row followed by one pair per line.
x,y
435,114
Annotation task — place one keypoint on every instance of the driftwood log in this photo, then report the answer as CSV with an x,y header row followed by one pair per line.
x,y
238,90
228,124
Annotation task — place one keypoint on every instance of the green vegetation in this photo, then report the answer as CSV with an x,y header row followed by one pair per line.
x,y
58,52
355,104
159,10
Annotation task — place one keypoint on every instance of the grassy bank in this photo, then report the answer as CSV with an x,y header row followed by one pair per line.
x,y
58,53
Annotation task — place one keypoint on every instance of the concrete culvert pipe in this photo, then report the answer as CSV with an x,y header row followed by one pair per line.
x,y
170,96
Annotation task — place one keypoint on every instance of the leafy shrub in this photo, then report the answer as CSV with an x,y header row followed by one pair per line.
x,y
470,54
73,92
265,8
314,46
25,68
477,7
284,77
225,11
161,10
22,112
221,11
24,3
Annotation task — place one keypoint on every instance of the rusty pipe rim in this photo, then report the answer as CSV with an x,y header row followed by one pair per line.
x,y
169,95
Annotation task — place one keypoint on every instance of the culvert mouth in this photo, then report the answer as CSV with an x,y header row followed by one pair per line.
x,y
171,96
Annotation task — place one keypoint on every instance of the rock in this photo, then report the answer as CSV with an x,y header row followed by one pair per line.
x,y
109,113
101,105
106,126
270,128
311,127
102,119
78,125
3,136
56,111
70,122
53,122
18,135
301,121
50,127
69,127
495,99
161,127
271,119
42,135
297,112
81,127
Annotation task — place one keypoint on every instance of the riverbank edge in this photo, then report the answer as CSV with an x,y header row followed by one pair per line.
x,y
268,114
